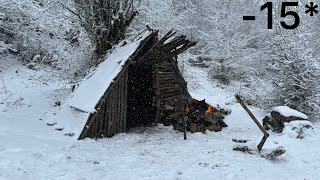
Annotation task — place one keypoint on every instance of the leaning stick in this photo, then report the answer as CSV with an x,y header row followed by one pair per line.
x,y
266,134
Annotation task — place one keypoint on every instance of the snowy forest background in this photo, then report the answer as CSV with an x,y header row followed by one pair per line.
x,y
267,67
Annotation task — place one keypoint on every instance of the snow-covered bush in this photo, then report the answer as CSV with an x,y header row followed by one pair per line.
x,y
295,73
42,32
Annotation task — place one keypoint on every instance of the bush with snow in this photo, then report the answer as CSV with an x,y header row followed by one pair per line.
x,y
42,32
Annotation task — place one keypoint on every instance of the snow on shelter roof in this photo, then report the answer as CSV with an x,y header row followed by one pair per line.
x,y
95,84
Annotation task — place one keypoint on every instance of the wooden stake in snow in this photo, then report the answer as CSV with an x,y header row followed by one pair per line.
x,y
266,134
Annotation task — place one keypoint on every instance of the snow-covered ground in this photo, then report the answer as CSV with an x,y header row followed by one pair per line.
x,y
30,149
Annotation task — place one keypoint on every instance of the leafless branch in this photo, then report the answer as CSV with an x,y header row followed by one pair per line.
x,y
4,86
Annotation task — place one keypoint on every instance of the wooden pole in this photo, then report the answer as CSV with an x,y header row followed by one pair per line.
x,y
183,111
266,134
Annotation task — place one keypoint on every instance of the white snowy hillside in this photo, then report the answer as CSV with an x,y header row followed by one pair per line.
x,y
30,149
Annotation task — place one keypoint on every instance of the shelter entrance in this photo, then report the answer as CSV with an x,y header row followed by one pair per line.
x,y
141,92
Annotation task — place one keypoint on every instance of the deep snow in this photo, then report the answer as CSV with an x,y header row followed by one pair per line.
x,y
30,149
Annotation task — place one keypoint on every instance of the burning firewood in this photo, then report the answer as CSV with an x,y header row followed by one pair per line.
x,y
199,117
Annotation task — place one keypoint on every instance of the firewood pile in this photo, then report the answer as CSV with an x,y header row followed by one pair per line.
x,y
199,117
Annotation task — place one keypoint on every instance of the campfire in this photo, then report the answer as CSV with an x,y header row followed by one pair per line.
x,y
210,109
199,117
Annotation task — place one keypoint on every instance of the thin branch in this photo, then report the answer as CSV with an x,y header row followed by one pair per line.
x,y
71,11
4,86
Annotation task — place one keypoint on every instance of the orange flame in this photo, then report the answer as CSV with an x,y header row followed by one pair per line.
x,y
210,109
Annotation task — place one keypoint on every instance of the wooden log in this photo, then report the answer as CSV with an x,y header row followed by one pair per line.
x,y
111,132
165,38
158,102
114,109
173,76
169,81
162,66
173,87
101,121
173,41
92,128
182,49
166,73
168,91
119,107
169,98
114,112
168,47
122,101
106,118
109,116
121,104
126,100
172,94
117,102
184,120
96,128
170,84
166,80
121,86
166,70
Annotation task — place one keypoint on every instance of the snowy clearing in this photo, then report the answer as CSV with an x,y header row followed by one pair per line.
x,y
30,149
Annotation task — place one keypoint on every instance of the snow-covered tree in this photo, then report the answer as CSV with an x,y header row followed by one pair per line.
x,y
295,72
105,21
41,33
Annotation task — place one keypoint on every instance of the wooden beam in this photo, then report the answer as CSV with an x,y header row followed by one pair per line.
x,y
255,120
125,101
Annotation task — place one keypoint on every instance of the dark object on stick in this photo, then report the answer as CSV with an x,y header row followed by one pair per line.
x,y
266,135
